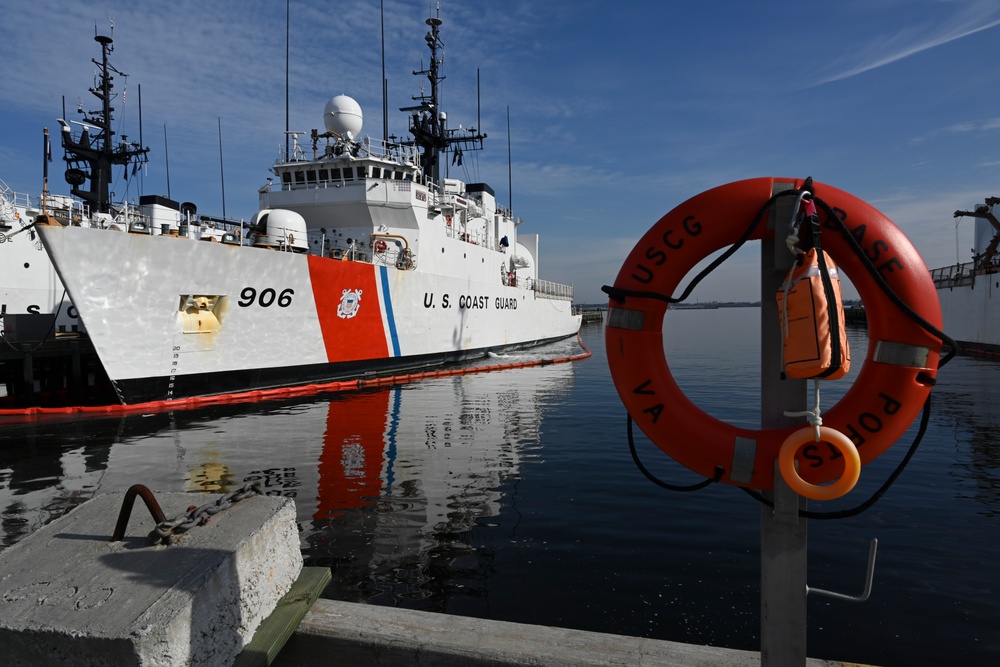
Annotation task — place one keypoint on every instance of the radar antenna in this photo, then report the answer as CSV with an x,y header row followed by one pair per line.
x,y
428,124
91,154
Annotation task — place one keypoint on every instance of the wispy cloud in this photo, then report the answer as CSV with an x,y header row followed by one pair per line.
x,y
963,127
973,18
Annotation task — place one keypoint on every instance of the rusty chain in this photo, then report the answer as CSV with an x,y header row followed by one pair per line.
x,y
167,531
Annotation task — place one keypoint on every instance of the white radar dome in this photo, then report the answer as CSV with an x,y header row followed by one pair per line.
x,y
342,115
282,228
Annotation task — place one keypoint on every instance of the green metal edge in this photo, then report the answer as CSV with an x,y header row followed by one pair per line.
x,y
275,630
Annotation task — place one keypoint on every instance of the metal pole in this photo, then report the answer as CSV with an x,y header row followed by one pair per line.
x,y
783,534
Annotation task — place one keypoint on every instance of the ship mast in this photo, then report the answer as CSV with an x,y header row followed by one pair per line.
x,y
428,124
92,154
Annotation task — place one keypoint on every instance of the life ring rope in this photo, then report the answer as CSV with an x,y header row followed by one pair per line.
x,y
877,494
719,470
619,294
847,513
873,272
638,325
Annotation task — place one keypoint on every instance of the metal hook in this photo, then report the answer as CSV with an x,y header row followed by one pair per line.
x,y
868,580
126,511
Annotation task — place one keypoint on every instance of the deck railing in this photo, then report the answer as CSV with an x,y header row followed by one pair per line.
x,y
958,275
550,290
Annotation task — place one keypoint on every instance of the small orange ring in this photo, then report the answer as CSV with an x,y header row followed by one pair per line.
x,y
836,489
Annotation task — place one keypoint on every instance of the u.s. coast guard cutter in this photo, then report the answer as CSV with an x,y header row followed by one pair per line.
x,y
362,260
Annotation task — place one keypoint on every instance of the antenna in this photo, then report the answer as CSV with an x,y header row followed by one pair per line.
x,y
222,172
139,93
385,83
510,181
46,158
166,155
287,22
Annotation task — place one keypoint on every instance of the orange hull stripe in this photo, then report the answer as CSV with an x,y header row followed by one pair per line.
x,y
349,310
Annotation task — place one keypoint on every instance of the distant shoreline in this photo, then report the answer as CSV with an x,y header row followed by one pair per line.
x,y
704,305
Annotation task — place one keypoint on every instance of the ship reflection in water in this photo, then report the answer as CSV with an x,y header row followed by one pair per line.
x,y
402,480
386,481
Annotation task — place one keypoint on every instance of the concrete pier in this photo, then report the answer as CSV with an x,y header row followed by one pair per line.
x,y
68,595
346,633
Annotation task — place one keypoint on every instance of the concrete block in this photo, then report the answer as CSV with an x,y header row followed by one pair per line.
x,y
68,595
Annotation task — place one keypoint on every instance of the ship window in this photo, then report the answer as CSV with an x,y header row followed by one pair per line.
x,y
335,174
311,176
300,177
286,177
324,175
361,173
376,172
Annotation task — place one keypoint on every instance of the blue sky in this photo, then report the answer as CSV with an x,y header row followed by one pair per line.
x,y
618,111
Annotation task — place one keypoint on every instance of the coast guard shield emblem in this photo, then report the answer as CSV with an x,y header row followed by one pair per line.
x,y
350,301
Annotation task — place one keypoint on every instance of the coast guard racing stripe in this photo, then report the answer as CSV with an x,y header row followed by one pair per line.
x,y
349,309
390,320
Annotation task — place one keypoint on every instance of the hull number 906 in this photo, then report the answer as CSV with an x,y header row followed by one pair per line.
x,y
267,297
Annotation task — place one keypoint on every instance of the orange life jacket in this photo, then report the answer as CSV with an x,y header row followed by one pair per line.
x,y
812,326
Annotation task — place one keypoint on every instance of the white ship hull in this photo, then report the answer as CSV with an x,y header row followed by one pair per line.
x,y
173,317
28,281
970,292
971,314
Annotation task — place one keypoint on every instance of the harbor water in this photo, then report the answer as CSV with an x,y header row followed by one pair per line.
x,y
512,495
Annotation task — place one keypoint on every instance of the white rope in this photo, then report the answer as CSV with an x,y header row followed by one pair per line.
x,y
792,240
812,416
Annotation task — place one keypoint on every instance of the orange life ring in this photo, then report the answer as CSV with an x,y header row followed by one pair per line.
x,y
890,388
852,463
380,246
